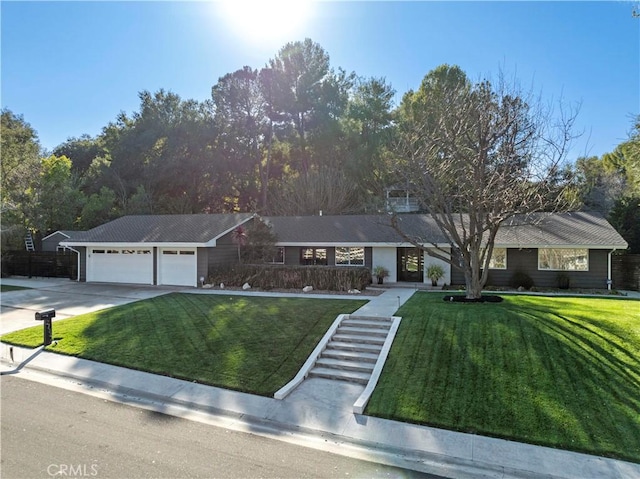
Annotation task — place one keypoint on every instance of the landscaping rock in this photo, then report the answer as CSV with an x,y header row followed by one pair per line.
x,y
207,286
307,289
354,291
246,286
221,285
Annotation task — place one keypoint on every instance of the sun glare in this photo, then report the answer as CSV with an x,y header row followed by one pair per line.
x,y
266,20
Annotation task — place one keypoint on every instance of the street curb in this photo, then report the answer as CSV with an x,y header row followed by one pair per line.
x,y
411,458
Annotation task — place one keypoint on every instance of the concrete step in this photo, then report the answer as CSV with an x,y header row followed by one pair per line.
x,y
358,338
366,323
382,333
354,347
341,375
344,364
378,319
347,355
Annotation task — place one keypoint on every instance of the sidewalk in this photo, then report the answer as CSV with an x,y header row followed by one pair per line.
x,y
320,411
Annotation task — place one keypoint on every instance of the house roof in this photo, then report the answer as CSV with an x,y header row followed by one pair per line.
x,y
559,229
576,229
351,229
200,229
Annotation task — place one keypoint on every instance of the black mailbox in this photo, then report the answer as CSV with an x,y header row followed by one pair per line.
x,y
46,314
46,317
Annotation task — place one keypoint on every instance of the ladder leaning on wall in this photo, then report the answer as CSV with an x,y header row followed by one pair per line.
x,y
28,242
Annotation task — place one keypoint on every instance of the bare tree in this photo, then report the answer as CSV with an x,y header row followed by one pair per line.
x,y
325,189
477,155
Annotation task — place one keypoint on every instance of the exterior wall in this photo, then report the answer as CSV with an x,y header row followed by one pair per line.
x,y
83,262
51,243
428,261
202,257
387,257
526,260
225,252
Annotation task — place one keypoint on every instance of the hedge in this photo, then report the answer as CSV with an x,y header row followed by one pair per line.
x,y
267,277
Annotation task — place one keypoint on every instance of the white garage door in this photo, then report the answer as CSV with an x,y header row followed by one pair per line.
x,y
178,267
120,265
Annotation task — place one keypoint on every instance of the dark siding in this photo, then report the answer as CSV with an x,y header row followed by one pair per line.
x,y
203,263
83,261
292,255
51,243
368,257
526,260
225,252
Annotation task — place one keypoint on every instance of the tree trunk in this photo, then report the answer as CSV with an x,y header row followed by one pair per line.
x,y
473,285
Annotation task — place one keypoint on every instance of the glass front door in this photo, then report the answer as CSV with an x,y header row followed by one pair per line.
x,y
410,265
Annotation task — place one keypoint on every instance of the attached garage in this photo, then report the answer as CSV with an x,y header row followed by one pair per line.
x,y
120,265
177,266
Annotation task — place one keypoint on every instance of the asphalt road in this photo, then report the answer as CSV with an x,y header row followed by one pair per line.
x,y
53,432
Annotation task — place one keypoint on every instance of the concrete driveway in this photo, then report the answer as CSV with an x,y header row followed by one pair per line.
x,y
68,298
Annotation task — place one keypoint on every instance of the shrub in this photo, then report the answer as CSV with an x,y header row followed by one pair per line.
x,y
520,278
268,277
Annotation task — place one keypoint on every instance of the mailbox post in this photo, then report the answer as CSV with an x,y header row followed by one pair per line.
x,y
46,316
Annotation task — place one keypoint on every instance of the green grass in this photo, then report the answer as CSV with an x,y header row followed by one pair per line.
x,y
560,372
5,288
248,344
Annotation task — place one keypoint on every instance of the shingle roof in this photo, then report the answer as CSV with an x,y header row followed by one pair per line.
x,y
352,229
537,230
559,229
200,229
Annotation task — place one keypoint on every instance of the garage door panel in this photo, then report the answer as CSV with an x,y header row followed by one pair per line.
x,y
178,267
120,266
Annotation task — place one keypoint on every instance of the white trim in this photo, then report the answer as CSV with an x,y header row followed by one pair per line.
x,y
213,241
55,233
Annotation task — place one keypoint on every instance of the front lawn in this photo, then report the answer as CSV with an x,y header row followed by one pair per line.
x,y
5,288
244,343
560,372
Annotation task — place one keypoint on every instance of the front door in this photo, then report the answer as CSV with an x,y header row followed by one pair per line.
x,y
410,265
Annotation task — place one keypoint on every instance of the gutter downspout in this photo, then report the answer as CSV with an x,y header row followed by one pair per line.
x,y
609,280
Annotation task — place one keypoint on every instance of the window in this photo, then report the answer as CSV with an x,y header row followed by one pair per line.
x,y
170,251
278,255
563,259
313,256
113,251
98,251
349,256
498,259
191,253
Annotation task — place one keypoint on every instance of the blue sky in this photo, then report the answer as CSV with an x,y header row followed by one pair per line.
x,y
71,67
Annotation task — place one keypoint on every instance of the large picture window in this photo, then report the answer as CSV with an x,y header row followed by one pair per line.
x,y
314,256
349,256
563,259
498,259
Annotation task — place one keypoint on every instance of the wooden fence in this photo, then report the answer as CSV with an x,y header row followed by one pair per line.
x,y
43,264
625,271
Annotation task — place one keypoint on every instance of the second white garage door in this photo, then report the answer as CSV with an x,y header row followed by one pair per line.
x,y
177,267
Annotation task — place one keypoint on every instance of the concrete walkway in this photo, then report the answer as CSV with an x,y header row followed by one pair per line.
x,y
319,413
